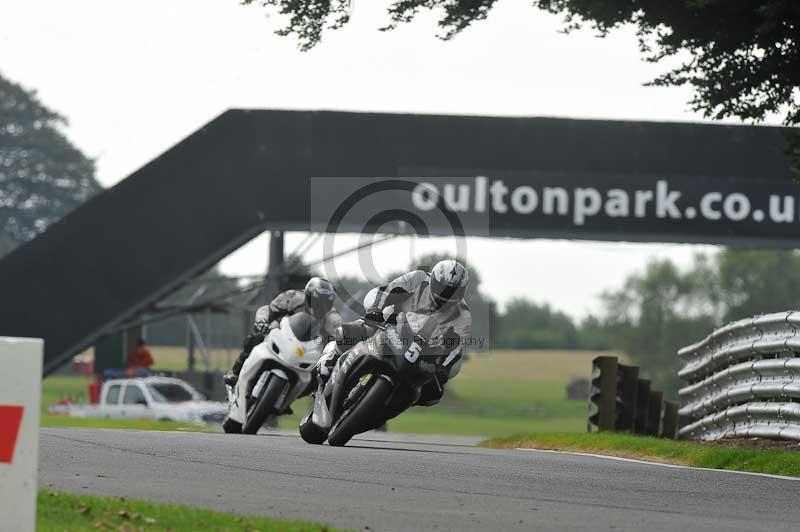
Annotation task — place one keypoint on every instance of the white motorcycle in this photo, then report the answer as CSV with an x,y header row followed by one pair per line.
x,y
278,371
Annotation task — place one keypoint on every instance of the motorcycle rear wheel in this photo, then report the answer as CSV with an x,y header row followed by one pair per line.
x,y
265,406
362,415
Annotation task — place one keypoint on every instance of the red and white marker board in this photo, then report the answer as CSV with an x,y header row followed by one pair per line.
x,y
20,390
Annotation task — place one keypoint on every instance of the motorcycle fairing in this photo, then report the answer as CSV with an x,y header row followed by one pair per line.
x,y
285,356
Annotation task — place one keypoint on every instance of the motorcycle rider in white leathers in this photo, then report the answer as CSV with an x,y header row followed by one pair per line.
x,y
315,299
439,293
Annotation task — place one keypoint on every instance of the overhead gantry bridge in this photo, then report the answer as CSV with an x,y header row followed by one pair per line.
x,y
245,172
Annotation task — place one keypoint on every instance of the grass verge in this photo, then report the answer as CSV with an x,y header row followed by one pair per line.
x,y
57,511
51,420
695,454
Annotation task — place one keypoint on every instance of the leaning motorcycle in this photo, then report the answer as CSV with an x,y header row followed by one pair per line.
x,y
374,381
278,371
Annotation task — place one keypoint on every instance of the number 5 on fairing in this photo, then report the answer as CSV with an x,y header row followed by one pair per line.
x,y
413,352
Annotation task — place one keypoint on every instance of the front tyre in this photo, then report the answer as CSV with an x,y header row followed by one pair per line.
x,y
362,415
266,404
309,431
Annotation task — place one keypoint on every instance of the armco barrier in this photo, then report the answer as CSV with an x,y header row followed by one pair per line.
x,y
743,380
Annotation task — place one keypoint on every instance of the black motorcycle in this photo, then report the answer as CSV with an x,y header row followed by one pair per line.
x,y
374,381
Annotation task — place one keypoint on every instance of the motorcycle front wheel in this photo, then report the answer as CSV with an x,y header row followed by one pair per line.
x,y
362,415
265,405
309,431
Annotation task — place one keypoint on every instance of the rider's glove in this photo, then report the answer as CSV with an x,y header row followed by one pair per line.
x,y
374,313
324,368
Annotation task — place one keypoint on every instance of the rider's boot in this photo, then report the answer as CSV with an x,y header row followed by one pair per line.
x,y
232,377
252,340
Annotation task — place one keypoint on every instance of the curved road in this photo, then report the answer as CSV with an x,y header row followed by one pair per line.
x,y
411,483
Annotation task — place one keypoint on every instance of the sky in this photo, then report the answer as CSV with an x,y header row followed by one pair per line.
x,y
134,78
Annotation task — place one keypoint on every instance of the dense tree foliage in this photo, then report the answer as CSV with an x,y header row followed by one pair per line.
x,y
756,282
662,309
526,325
350,291
42,175
740,57
652,316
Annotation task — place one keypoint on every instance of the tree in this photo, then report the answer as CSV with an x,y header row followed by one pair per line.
x,y
527,325
351,291
653,315
740,57
757,281
42,175
296,273
662,309
593,334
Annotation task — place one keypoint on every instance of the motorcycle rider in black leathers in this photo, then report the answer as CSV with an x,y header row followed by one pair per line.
x,y
315,299
438,293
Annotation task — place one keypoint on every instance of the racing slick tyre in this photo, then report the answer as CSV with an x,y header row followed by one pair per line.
x,y
231,427
266,404
309,431
362,415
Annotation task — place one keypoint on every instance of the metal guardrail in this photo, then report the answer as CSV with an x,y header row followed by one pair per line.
x,y
743,380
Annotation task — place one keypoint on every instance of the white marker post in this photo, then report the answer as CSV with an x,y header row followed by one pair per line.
x,y
20,390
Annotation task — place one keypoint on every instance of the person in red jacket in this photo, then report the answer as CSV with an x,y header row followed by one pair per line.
x,y
140,357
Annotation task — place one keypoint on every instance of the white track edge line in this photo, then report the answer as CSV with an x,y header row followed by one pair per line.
x,y
646,462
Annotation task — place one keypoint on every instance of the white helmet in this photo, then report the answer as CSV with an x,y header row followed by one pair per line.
x,y
319,296
448,282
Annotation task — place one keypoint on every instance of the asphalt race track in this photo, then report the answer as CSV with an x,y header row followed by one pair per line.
x,y
441,484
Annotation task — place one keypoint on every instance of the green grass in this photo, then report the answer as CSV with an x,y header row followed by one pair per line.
x,y
58,387
51,420
57,512
659,450
497,407
506,392
522,364
174,358
497,394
